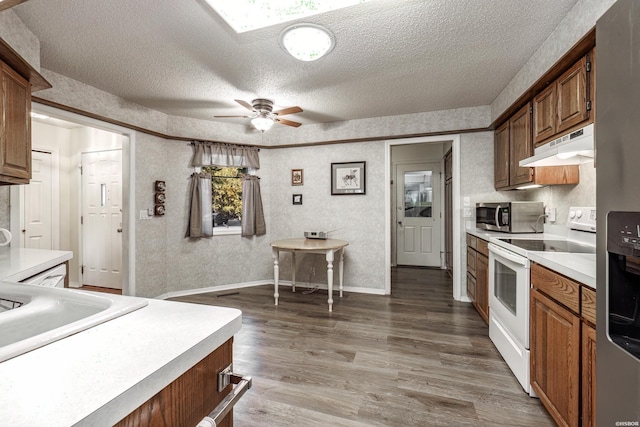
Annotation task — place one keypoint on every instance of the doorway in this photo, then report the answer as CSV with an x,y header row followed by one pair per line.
x,y
72,135
431,149
418,215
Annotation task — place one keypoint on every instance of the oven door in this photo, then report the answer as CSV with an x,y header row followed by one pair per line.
x,y
509,292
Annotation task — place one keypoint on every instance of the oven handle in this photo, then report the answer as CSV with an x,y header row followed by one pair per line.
x,y
520,260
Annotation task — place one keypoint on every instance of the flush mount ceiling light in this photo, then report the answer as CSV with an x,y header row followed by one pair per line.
x,y
262,122
247,15
307,42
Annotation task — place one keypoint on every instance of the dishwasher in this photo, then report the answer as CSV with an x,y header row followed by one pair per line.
x,y
53,277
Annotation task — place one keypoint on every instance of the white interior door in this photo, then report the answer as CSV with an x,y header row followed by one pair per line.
x,y
102,219
37,227
418,214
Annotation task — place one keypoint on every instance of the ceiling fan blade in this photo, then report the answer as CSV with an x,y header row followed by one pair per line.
x,y
245,104
288,122
290,110
232,116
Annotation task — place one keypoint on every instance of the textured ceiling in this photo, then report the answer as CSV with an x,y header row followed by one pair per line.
x,y
391,56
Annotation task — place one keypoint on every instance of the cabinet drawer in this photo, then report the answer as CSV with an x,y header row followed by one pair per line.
x,y
471,260
483,247
471,287
588,304
472,241
563,290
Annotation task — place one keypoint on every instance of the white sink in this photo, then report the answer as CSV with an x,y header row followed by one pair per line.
x,y
43,315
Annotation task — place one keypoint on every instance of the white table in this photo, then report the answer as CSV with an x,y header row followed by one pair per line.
x,y
328,247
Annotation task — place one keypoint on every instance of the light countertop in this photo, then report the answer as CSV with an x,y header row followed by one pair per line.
x,y
17,264
98,376
577,266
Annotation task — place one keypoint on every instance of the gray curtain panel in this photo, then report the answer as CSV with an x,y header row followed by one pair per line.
x,y
200,215
252,213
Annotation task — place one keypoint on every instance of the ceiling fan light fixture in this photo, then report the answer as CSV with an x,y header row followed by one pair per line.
x,y
262,123
307,42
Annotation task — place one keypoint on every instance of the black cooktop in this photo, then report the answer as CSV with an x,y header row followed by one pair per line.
x,y
551,246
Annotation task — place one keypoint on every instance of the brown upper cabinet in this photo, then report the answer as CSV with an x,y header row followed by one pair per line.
x,y
513,142
15,127
520,146
566,103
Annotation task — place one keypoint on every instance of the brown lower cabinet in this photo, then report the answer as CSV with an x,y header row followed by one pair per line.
x,y
478,275
563,345
189,398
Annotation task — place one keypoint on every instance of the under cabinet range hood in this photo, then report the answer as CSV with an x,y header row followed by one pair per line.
x,y
571,149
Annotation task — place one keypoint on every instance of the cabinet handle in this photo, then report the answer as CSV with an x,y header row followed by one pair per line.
x,y
226,377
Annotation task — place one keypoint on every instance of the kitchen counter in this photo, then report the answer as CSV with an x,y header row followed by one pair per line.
x,y
17,264
579,267
98,376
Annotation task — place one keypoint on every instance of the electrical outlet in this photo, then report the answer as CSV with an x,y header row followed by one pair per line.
x,y
550,213
467,213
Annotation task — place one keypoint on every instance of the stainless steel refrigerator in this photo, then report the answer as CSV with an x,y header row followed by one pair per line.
x,y
618,215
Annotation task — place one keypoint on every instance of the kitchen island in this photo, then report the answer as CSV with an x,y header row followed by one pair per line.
x,y
100,375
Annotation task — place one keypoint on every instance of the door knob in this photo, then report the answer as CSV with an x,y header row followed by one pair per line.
x,y
119,230
400,223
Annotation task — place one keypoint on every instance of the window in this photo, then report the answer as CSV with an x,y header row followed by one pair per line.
x,y
226,198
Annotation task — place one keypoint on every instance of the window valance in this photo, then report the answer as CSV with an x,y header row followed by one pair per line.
x,y
217,154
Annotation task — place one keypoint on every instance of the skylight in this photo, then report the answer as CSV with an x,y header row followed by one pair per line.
x,y
247,15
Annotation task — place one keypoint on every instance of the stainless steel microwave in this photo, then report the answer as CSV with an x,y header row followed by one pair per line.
x,y
510,217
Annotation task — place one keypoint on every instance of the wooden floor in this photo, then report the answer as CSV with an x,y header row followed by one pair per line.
x,y
101,289
416,358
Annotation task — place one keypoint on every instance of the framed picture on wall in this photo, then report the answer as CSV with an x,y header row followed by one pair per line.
x,y
348,178
297,199
297,177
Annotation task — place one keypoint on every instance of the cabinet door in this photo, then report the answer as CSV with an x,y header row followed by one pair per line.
x,y
555,358
471,260
572,96
482,286
448,225
15,129
471,287
520,145
544,114
448,165
501,157
588,375
189,398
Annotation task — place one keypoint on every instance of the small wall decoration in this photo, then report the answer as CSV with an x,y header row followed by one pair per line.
x,y
348,178
159,198
297,177
297,199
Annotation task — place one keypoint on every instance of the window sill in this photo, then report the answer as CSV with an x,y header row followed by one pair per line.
x,y
227,231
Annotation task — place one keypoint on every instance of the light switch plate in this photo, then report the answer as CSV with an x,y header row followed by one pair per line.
x,y
144,214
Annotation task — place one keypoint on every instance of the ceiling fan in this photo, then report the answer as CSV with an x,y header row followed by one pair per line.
x,y
263,116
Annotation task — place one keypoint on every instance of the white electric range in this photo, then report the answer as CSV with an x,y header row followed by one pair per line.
x,y
509,284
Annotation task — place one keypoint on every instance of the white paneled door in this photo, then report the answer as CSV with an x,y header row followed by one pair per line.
x,y
102,219
418,214
38,207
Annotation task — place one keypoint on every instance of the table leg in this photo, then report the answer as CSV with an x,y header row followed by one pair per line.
x,y
276,273
330,278
293,271
341,270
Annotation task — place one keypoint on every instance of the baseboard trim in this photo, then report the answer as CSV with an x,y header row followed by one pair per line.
x,y
287,283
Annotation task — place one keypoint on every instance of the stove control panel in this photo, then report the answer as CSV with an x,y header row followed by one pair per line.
x,y
582,218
